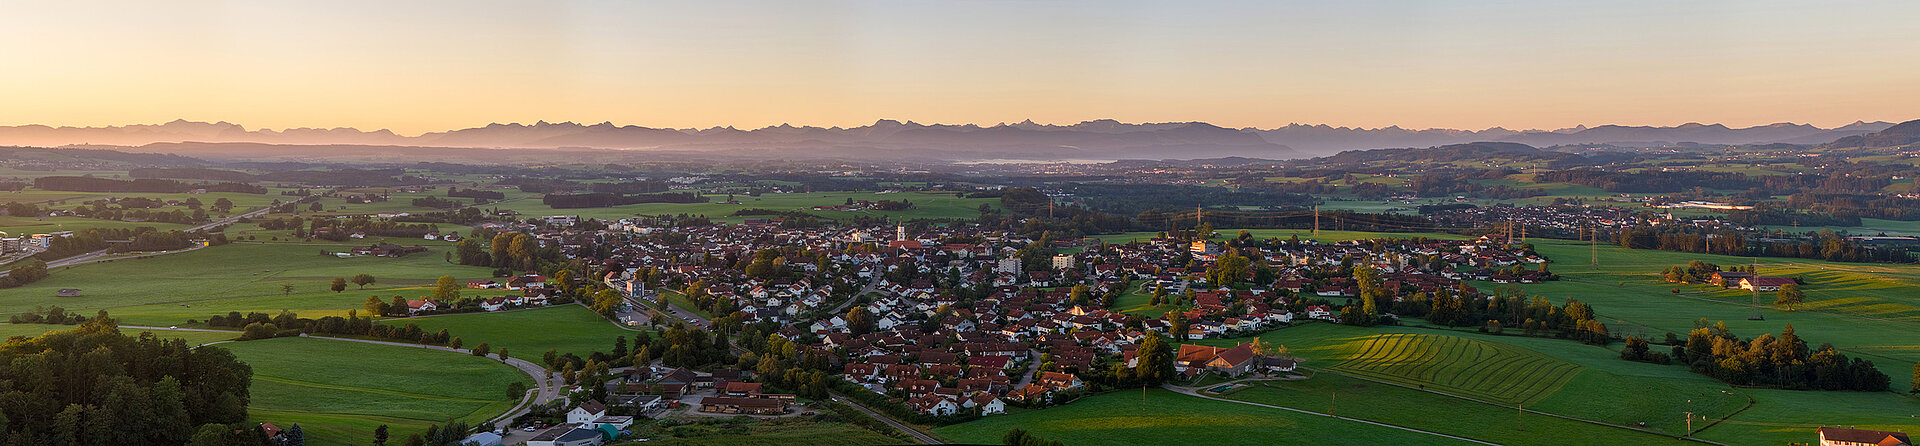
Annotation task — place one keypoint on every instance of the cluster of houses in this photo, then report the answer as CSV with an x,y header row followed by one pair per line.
x,y
1568,219
940,354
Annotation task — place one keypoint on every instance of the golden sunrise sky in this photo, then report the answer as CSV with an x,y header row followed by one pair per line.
x,y
418,66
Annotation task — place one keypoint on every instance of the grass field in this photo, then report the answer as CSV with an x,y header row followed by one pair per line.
x,y
1867,310
776,434
192,337
1868,226
1163,417
1347,396
928,205
238,277
1461,366
17,226
1590,392
339,391
528,333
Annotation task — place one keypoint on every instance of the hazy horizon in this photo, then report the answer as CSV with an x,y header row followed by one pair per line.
x,y
419,67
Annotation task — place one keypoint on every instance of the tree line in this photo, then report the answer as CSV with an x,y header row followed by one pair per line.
x,y
90,184
1766,360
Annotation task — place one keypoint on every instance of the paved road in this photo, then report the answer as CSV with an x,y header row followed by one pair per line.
x,y
664,306
546,384
97,256
922,437
1194,392
872,286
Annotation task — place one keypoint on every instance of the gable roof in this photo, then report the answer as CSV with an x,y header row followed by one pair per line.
x,y
1864,436
593,406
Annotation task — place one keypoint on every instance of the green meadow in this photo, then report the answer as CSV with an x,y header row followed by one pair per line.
x,y
340,391
528,333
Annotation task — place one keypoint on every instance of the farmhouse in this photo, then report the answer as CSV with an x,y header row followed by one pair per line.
x,y
1833,436
731,405
1764,283
1194,359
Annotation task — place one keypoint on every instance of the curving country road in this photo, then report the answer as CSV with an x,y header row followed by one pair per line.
x,y
97,256
546,385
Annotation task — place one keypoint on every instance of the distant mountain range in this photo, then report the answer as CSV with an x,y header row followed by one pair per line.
x,y
889,139
1899,135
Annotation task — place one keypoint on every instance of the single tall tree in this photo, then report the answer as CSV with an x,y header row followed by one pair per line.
x,y
339,284
1790,295
380,435
1178,325
363,280
446,289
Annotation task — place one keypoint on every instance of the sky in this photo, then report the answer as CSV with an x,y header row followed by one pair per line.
x,y
420,66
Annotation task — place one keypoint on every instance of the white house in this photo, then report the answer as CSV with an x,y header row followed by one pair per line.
x,y
587,413
987,403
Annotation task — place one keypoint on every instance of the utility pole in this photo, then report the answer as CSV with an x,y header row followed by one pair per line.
x,y
1593,245
1316,219
1519,417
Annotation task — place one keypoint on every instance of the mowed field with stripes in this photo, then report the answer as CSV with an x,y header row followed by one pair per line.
x,y
1470,368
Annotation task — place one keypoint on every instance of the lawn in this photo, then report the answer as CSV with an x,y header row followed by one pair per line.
x,y
528,333
339,400
1163,417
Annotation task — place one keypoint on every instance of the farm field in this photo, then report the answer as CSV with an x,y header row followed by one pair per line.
x,y
1868,226
234,274
1866,310
1782,416
1159,416
1589,392
1480,369
527,333
928,205
773,434
1351,397
16,226
192,337
338,401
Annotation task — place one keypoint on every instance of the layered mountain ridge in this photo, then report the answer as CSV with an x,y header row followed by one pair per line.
x,y
1096,139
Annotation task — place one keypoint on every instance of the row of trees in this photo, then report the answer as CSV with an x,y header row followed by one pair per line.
x,y
30,271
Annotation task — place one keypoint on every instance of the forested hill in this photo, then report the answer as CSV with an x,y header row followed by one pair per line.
x,y
1899,135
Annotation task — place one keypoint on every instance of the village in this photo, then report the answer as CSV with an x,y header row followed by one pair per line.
x,y
951,321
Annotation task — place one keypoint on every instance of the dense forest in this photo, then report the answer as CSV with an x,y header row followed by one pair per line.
x,y
90,184
92,385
